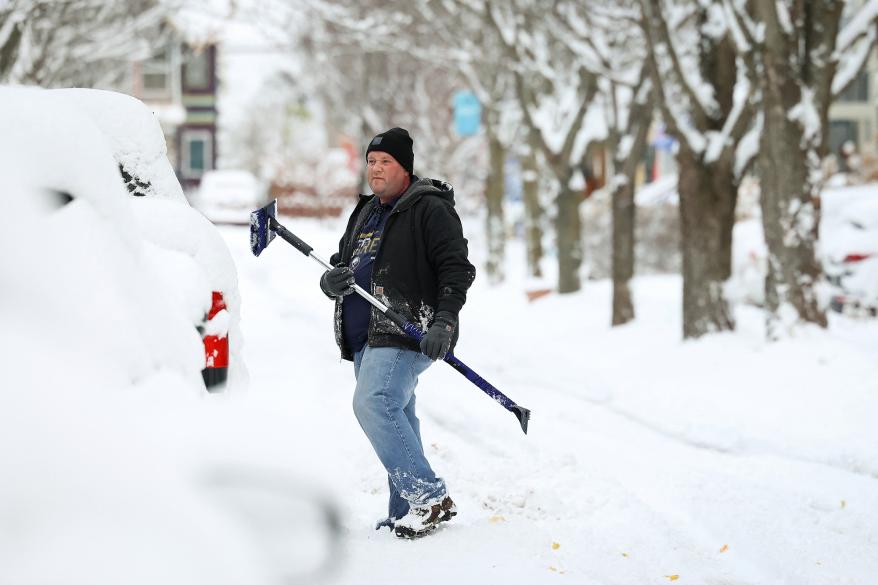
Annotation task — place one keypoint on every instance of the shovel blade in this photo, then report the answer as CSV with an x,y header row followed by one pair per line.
x,y
523,416
260,232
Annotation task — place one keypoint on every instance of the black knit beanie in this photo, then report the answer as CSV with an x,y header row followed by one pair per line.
x,y
397,143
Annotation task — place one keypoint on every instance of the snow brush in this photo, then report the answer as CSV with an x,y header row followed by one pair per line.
x,y
263,229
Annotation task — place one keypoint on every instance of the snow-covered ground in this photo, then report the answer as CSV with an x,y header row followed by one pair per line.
x,y
725,460
648,460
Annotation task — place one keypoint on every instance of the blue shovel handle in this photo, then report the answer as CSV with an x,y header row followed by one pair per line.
x,y
521,413
263,228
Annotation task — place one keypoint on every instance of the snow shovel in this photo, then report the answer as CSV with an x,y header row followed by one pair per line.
x,y
263,229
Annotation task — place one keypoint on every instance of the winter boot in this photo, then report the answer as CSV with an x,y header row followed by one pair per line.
x,y
422,520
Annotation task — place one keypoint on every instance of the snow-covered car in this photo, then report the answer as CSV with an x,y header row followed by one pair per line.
x,y
118,473
849,248
228,196
187,253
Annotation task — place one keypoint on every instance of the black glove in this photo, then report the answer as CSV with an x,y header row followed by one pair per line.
x,y
437,340
337,282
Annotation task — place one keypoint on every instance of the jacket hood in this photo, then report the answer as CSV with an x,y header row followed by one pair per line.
x,y
426,187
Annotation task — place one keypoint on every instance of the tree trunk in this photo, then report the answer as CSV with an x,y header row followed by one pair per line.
x,y
790,220
9,50
495,226
789,161
533,213
708,194
568,227
623,251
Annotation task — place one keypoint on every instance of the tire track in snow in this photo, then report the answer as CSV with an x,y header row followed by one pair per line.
x,y
739,446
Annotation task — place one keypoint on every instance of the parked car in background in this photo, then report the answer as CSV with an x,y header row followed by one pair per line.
x,y
849,248
189,258
228,196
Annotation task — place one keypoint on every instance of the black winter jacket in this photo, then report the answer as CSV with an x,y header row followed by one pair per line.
x,y
420,268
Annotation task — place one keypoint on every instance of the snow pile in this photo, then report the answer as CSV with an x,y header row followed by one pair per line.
x,y
185,251
82,274
749,263
662,191
191,259
96,353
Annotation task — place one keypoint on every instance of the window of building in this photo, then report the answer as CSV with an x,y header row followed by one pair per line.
x,y
157,76
858,91
196,148
841,131
196,71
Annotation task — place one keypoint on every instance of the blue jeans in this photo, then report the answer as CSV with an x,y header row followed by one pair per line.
x,y
384,403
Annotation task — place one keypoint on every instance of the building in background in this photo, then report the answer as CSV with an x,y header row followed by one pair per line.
x,y
180,83
854,115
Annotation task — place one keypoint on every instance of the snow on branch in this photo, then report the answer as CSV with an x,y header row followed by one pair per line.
x,y
748,148
858,26
784,19
850,64
854,45
742,27
734,124
675,114
688,78
805,113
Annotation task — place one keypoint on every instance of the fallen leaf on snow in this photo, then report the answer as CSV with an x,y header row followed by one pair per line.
x,y
555,546
672,577
843,504
553,569
625,555
724,548
496,519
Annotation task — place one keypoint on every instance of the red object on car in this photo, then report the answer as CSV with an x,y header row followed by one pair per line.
x,y
216,345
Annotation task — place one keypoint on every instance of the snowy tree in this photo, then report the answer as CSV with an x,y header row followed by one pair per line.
x,y
368,74
625,96
555,88
87,43
801,60
268,137
706,101
461,36
533,210
400,63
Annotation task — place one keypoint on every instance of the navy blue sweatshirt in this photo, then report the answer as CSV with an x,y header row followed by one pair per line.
x,y
356,311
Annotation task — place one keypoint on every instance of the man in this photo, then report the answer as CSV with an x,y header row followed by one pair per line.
x,y
405,245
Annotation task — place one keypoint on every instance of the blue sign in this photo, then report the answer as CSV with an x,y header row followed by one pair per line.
x,y
467,113
663,141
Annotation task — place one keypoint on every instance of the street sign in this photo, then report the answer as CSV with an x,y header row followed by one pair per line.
x,y
467,113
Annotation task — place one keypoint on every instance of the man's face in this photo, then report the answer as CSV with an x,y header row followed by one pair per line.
x,y
386,176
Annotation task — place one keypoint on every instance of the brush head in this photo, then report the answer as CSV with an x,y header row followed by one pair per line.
x,y
261,233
